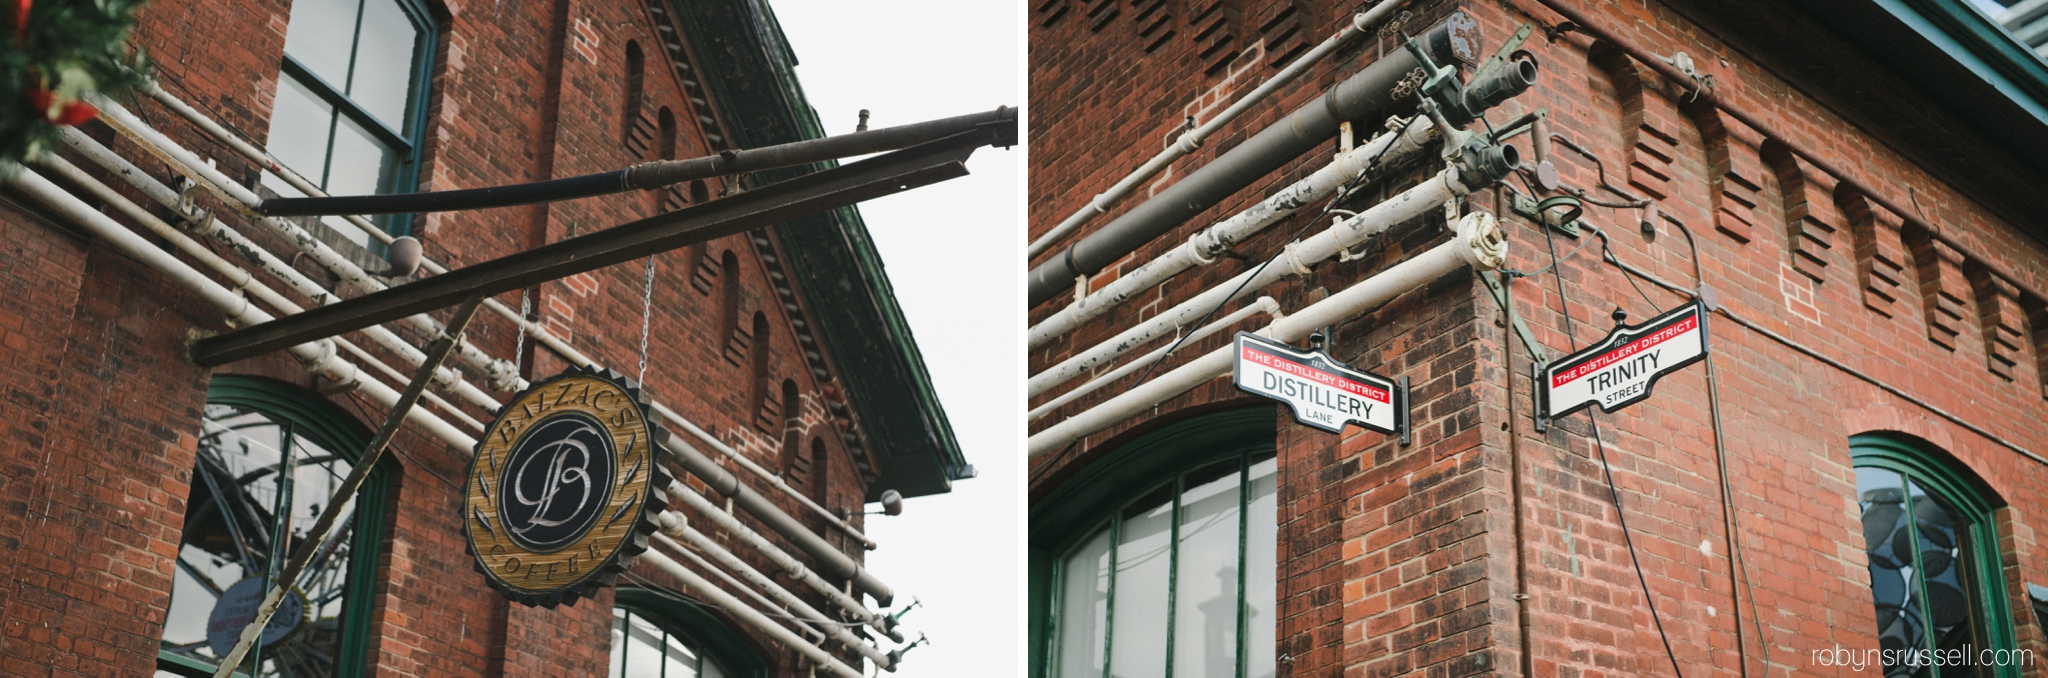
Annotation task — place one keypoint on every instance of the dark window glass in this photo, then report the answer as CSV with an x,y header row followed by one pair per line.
x,y
343,117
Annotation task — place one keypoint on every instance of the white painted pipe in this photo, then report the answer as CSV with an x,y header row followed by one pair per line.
x,y
502,371
317,357
781,559
1264,305
811,634
1192,139
1387,149
714,595
241,278
1479,243
796,606
1295,260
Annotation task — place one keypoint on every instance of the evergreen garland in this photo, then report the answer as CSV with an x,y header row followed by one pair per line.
x,y
52,54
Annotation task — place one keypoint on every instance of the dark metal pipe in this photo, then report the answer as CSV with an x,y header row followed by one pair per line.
x,y
1367,95
999,124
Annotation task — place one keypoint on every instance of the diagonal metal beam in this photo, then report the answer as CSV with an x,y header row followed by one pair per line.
x,y
324,525
818,192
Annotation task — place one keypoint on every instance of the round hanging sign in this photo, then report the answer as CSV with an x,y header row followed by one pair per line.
x,y
237,605
564,487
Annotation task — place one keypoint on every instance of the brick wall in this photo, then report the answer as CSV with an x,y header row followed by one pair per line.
x,y
1403,560
520,91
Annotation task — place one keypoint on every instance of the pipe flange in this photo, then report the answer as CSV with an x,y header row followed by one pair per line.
x,y
1486,248
503,376
1294,263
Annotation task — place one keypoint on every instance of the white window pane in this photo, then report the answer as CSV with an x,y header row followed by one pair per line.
x,y
682,662
1137,637
618,666
384,61
1205,590
1084,608
320,34
643,651
1261,570
361,166
712,669
299,126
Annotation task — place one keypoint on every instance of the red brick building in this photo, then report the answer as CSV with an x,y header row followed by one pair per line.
x,y
143,488
1859,467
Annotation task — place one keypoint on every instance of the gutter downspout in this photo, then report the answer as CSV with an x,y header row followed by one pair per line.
x,y
1478,243
1366,95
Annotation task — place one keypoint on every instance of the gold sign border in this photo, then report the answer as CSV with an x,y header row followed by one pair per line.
x,y
620,534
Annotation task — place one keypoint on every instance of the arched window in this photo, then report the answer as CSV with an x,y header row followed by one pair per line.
x,y
1165,548
765,418
351,106
1935,574
665,124
821,471
657,634
698,191
269,454
729,305
634,124
791,433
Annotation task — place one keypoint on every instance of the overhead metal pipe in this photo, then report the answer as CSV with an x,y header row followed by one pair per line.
x,y
1192,139
1264,305
1479,244
318,358
830,558
1296,260
999,127
782,560
1368,95
831,627
1389,148
746,614
500,372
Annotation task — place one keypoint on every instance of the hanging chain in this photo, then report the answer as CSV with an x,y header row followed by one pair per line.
x,y
646,318
519,349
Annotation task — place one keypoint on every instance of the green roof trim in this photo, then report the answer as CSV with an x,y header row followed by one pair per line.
x,y
750,70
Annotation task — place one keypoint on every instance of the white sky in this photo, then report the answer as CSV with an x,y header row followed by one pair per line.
x,y
954,254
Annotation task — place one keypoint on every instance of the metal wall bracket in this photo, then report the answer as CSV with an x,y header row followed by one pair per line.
x,y
1402,415
1528,207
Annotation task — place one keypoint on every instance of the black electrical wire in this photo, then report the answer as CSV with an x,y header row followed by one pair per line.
x,y
1620,515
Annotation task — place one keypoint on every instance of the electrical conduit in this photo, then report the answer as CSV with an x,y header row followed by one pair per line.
x,y
1478,243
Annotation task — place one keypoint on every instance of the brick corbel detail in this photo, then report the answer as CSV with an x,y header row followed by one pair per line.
x,y
1735,170
1649,122
1880,253
1943,290
1810,215
1998,314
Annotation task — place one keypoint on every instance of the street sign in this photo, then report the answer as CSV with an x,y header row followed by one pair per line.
x,y
563,488
1323,393
1620,370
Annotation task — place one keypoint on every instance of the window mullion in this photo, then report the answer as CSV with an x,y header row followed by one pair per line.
x,y
1173,518
1116,535
1919,573
1244,491
355,44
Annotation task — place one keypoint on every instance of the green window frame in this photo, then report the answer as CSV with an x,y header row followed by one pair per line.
x,y
404,135
690,621
1921,513
1165,465
305,414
